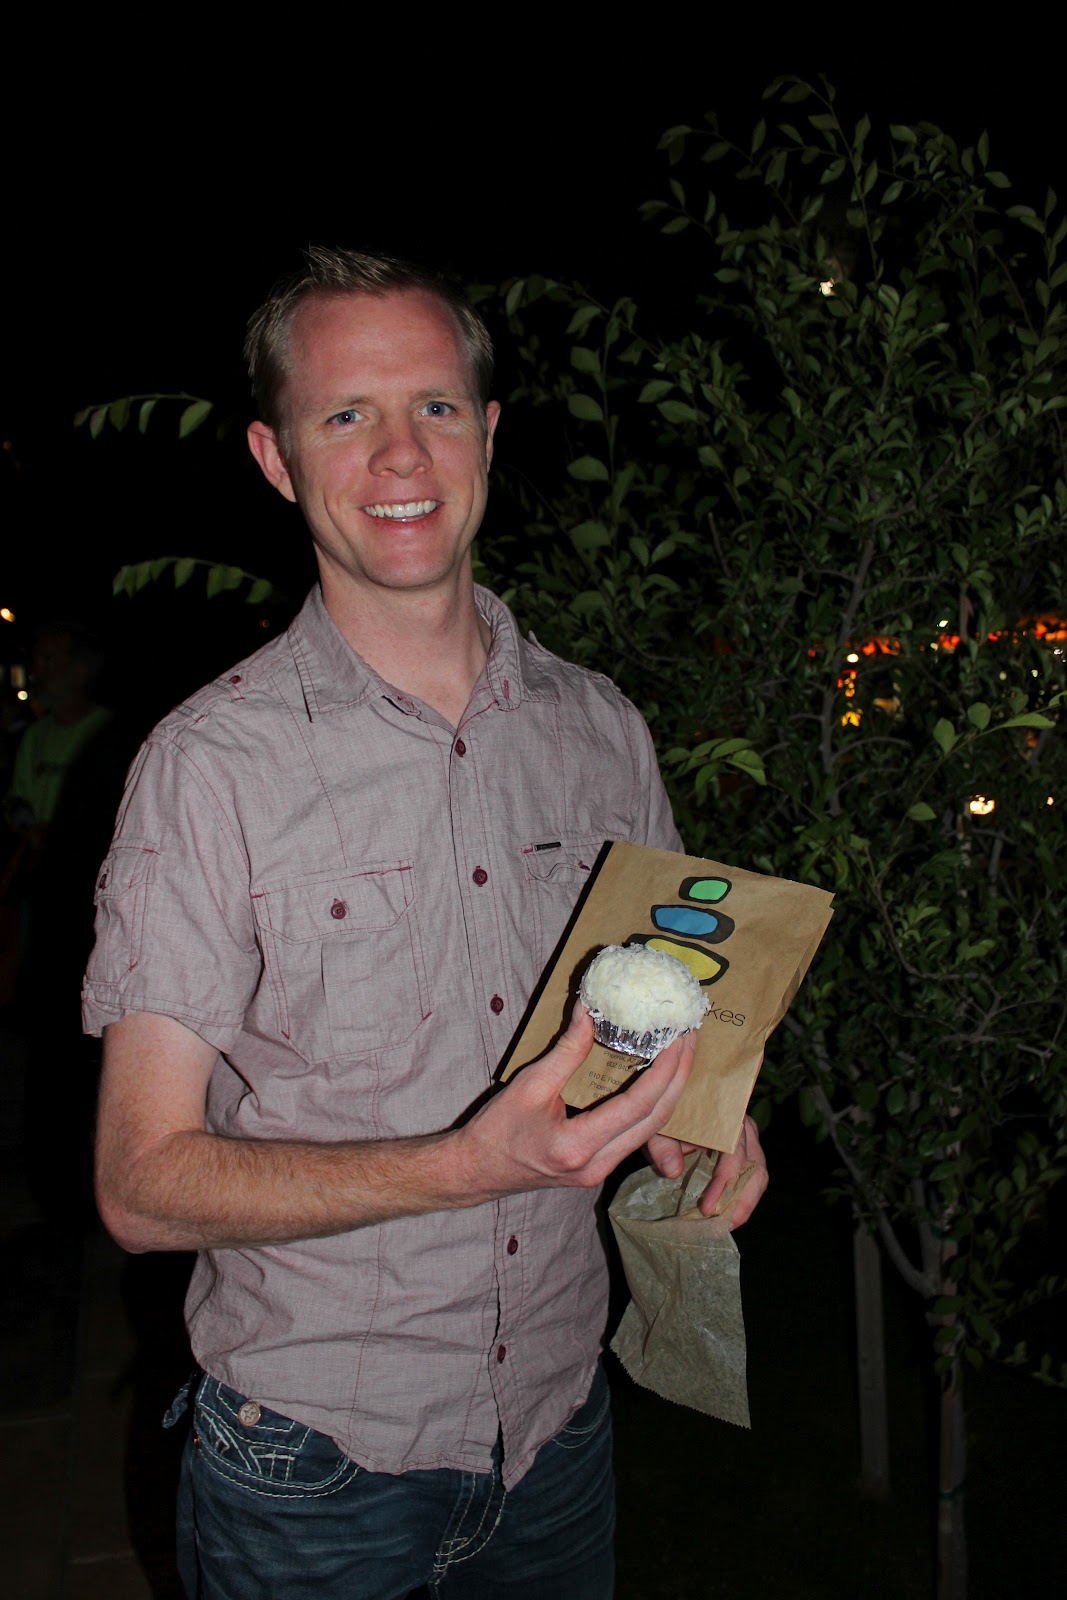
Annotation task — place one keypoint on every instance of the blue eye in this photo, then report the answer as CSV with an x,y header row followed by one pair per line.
x,y
437,408
345,416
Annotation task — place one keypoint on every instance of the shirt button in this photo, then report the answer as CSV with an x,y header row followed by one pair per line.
x,y
338,910
249,1414
460,747
236,678
480,876
496,1005
501,1351
512,1245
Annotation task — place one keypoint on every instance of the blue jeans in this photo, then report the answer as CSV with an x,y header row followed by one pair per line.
x,y
274,1511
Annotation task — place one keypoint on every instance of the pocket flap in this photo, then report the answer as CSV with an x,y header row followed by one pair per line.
x,y
126,866
331,905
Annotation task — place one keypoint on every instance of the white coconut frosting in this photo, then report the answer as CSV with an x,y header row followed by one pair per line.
x,y
641,998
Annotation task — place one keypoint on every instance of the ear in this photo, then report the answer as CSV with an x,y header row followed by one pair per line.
x,y
264,446
492,417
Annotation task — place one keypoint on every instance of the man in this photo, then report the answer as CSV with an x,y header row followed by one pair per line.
x,y
336,878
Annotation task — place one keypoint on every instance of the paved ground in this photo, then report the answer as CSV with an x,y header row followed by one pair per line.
x,y
91,1348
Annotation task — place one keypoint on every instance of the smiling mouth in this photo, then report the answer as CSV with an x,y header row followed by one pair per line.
x,y
410,511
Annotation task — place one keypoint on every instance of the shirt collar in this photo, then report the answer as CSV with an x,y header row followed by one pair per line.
x,y
333,676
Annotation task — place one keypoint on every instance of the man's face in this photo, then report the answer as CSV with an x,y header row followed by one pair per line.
x,y
385,450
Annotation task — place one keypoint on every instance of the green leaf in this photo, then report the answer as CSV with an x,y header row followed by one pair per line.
x,y
999,180
192,417
183,570
585,360
1027,719
82,416
654,390
262,589
866,1094
678,411
513,298
896,1099
144,415
97,418
119,414
582,318
921,812
585,407
808,1107
902,134
221,578
676,225
749,762
984,1328
587,469
978,713
975,951
590,536
945,736
678,132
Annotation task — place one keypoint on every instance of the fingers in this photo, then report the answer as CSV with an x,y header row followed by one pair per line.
x,y
621,1125
668,1155
746,1163
550,1072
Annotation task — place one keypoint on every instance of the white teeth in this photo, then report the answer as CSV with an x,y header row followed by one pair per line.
x,y
404,513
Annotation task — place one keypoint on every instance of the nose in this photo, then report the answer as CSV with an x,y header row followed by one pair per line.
x,y
399,448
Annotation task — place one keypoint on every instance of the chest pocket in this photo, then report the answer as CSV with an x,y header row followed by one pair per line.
x,y
555,876
344,959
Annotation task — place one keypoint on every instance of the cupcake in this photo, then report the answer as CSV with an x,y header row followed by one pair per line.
x,y
640,999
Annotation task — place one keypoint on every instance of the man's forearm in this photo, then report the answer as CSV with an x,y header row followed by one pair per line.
x,y
196,1190
165,1183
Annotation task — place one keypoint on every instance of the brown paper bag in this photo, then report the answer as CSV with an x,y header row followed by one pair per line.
x,y
683,1333
748,937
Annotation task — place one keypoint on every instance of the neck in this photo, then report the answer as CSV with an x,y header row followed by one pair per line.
x,y
70,711
431,644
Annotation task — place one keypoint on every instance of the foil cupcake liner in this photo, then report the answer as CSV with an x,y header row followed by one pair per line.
x,y
631,1043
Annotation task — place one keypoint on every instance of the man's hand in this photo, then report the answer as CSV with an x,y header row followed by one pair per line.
x,y
523,1138
668,1157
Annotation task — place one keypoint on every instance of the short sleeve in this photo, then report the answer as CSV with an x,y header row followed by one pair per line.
x,y
174,926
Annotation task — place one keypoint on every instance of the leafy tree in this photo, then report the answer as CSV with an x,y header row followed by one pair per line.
x,y
813,522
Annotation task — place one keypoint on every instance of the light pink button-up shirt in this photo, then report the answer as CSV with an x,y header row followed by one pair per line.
x,y
352,901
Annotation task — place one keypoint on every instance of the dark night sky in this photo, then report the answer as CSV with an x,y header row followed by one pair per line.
x,y
145,233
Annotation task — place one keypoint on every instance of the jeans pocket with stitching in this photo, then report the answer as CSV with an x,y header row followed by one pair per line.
x,y
263,1451
590,1418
